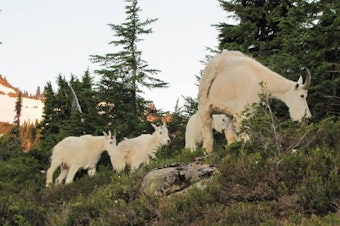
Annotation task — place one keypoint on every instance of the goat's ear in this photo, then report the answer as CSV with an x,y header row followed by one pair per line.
x,y
115,133
300,80
110,135
164,123
105,134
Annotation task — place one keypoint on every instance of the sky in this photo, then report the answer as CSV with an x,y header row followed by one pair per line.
x,y
44,38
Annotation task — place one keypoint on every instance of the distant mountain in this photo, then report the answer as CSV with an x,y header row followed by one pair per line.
x,y
32,107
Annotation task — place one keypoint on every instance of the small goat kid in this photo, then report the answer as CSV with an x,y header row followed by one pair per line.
x,y
194,133
138,150
74,153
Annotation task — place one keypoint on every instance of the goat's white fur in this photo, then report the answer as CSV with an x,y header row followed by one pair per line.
x,y
193,131
74,153
138,150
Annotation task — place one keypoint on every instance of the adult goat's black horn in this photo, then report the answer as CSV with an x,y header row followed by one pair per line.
x,y
308,80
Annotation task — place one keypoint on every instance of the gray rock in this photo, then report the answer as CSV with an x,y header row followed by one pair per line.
x,y
175,177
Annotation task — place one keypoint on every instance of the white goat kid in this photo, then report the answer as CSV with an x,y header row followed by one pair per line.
x,y
74,153
138,150
194,133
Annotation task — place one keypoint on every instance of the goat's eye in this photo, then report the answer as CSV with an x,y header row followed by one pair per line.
x,y
160,132
302,96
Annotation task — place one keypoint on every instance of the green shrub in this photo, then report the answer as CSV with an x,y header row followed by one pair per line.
x,y
291,172
245,214
18,211
321,183
185,209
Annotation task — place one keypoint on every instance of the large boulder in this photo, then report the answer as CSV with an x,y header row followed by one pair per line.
x,y
175,177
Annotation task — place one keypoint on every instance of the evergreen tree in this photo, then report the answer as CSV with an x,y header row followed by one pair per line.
x,y
29,135
322,53
190,106
89,102
124,73
258,24
18,108
49,124
72,125
38,93
57,110
83,120
64,99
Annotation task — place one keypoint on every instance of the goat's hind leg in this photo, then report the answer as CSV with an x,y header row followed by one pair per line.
x,y
50,172
63,172
71,173
207,131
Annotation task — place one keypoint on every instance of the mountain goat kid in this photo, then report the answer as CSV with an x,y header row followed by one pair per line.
x,y
74,153
138,150
194,129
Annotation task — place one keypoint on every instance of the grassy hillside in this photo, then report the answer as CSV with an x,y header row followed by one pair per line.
x,y
283,176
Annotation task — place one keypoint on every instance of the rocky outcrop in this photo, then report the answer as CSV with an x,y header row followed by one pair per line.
x,y
175,177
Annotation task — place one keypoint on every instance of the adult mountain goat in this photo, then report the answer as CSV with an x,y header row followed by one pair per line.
x,y
138,150
231,81
74,153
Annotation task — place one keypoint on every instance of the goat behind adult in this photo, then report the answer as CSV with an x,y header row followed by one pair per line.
x,y
193,130
74,153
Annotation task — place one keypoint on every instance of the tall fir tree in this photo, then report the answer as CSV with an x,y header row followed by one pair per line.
x,y
18,109
56,112
49,124
124,73
38,93
83,119
88,99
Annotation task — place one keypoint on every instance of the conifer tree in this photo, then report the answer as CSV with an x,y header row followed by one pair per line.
x,y
49,124
86,120
18,108
258,26
88,100
124,73
56,112
38,93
